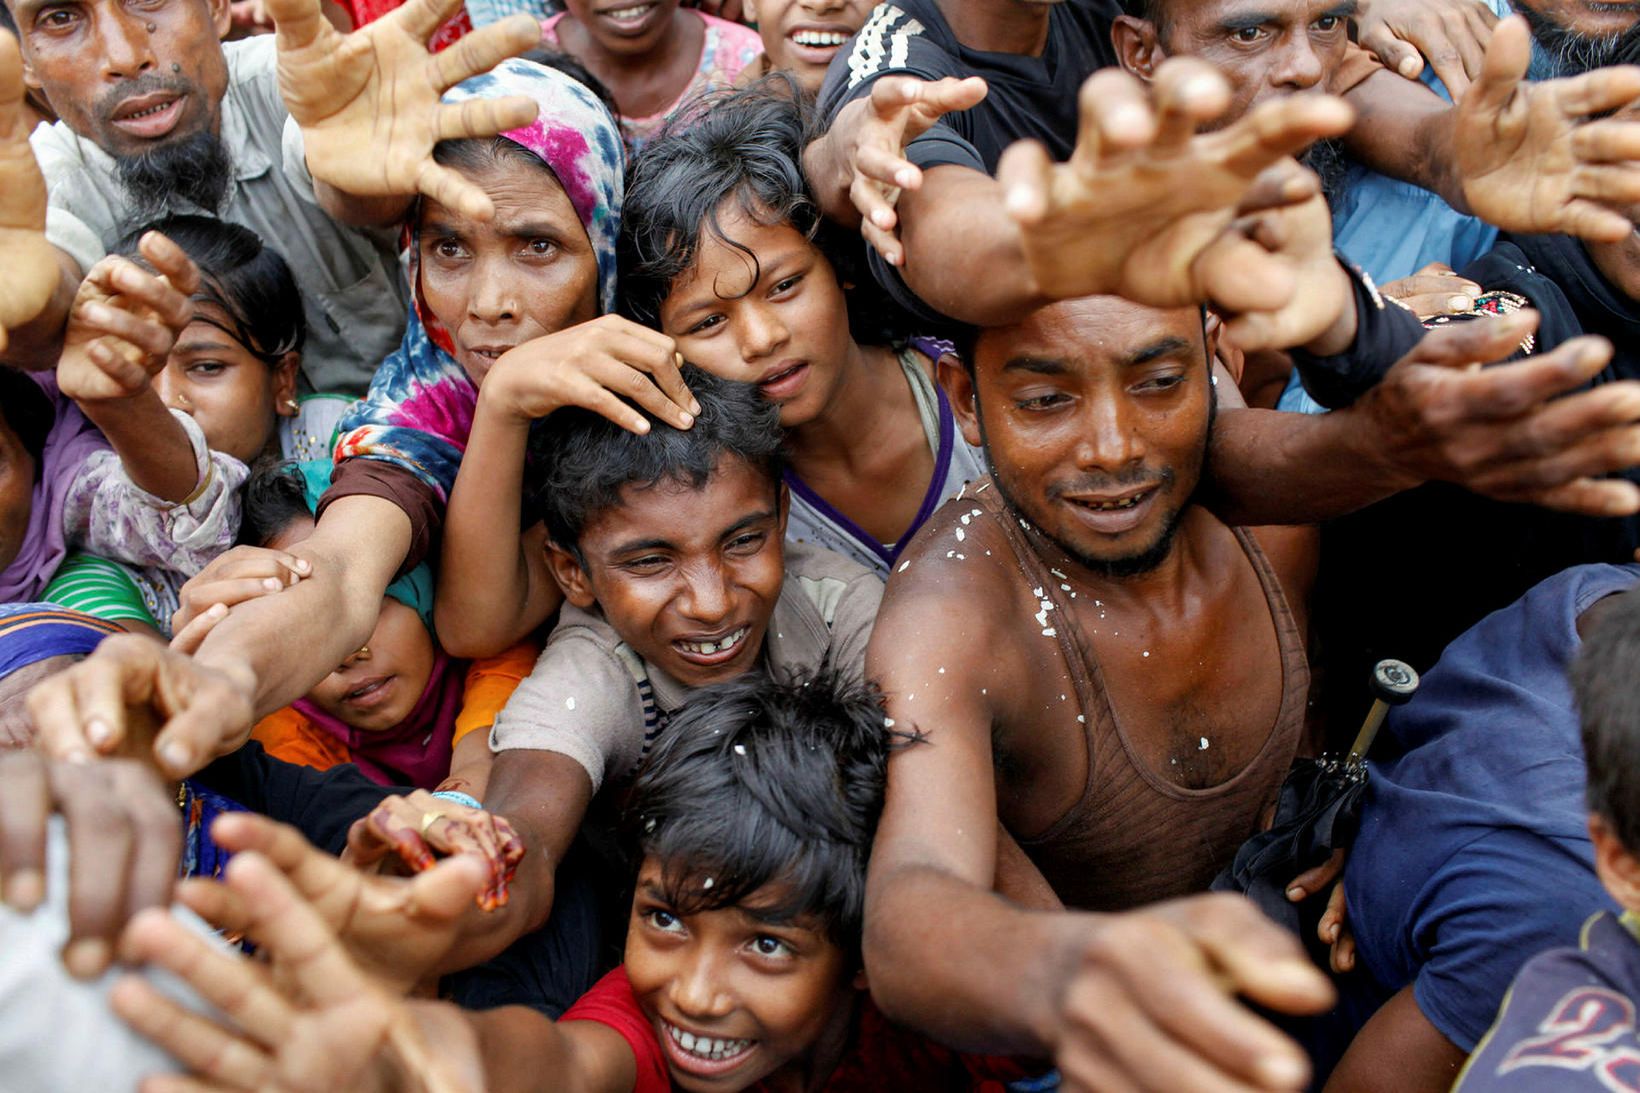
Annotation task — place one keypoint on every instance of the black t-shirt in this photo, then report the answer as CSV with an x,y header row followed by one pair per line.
x,y
1030,97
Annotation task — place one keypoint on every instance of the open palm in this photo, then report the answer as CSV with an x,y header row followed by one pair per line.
x,y
368,102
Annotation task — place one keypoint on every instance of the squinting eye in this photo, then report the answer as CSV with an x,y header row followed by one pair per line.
x,y
708,323
746,544
207,369
1041,402
787,285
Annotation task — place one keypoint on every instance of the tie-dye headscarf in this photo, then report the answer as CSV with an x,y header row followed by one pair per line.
x,y
419,411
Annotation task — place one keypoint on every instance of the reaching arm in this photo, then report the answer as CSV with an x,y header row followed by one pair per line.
x,y
1504,432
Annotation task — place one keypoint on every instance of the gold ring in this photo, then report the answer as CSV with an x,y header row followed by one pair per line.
x,y
429,820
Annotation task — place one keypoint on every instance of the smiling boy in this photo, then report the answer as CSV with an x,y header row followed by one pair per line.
x,y
668,547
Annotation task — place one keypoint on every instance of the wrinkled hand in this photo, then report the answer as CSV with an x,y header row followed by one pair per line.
x,y
32,268
243,573
594,365
1296,239
125,320
1528,157
1505,431
1452,33
108,701
870,137
124,840
419,828
316,1022
1434,290
1152,1002
368,102
1143,197
398,929
1333,928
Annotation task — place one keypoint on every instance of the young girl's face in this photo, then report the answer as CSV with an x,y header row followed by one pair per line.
x,y
528,272
377,686
626,28
735,999
236,398
779,322
802,36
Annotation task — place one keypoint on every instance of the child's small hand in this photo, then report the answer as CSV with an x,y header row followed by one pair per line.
x,y
419,826
125,320
596,366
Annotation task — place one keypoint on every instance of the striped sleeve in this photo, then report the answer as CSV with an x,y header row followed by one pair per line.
x,y
99,587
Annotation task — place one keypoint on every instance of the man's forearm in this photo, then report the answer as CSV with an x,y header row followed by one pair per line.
x,y
35,345
292,639
1268,467
1406,131
963,252
981,975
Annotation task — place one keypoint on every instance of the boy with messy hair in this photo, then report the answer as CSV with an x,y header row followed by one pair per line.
x,y
1568,1021
669,548
753,817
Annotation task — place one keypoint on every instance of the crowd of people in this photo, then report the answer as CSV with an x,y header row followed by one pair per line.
x,y
792,545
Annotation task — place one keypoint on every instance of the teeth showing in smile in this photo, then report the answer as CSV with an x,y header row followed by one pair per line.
x,y
1114,506
630,15
706,1046
707,648
819,38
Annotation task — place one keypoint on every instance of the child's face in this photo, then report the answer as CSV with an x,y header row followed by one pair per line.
x,y
234,397
496,284
802,36
734,999
686,577
625,28
787,332
378,686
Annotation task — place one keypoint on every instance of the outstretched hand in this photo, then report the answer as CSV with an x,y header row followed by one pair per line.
x,y
124,321
313,1021
32,268
398,929
421,829
1143,196
1528,157
870,137
368,102
1451,33
129,682
1511,432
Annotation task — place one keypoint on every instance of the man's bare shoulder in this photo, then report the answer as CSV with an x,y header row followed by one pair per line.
x,y
959,553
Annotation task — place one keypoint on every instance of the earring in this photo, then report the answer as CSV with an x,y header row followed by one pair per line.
x,y
293,406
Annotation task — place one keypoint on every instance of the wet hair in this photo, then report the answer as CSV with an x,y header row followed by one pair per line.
x,y
273,498
240,275
757,783
476,155
580,461
27,412
1607,688
743,147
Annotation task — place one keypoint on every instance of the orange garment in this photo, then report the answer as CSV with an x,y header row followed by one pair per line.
x,y
490,682
289,735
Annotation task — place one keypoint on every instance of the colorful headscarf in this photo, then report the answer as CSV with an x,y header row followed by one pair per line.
x,y
69,444
32,632
419,411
